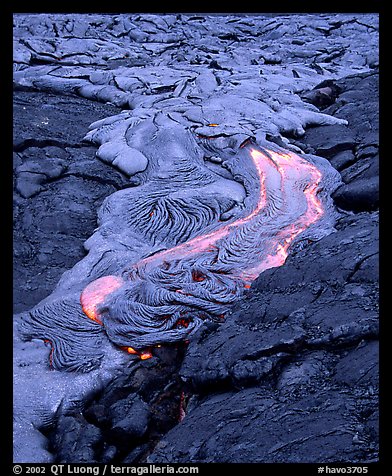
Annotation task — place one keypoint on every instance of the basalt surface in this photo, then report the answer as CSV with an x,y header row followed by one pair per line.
x,y
236,249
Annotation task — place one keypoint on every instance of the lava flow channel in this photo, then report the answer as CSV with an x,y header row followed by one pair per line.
x,y
167,295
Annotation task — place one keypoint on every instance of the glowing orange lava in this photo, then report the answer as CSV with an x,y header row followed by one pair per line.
x,y
207,242
131,350
95,293
144,355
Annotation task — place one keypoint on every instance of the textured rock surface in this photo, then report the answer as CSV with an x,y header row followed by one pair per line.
x,y
181,116
354,150
279,363
58,187
291,374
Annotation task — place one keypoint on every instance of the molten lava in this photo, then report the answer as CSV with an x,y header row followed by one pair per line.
x,y
95,293
278,176
144,355
288,163
264,161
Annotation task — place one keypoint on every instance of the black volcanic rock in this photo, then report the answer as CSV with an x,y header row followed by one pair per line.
x,y
31,175
254,425
132,413
44,119
76,440
352,149
328,141
281,363
364,168
362,194
54,172
296,295
129,418
357,101
323,95
342,159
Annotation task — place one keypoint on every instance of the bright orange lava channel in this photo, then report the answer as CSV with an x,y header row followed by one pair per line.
x,y
285,164
206,242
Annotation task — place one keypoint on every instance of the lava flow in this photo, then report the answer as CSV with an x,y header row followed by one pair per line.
x,y
288,163
287,205
96,292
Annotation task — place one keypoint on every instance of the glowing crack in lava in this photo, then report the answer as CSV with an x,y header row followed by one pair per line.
x,y
166,296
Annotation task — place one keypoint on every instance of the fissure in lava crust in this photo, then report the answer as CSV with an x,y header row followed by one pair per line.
x,y
167,295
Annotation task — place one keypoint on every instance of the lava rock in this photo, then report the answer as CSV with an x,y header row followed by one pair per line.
x,y
49,119
76,440
53,173
353,150
366,151
271,58
362,194
274,379
342,159
273,382
293,296
322,95
31,175
129,419
97,414
358,102
359,368
327,141
255,426
137,454
364,168
137,407
308,371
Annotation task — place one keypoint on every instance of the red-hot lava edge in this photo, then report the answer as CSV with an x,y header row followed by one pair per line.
x,y
97,291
